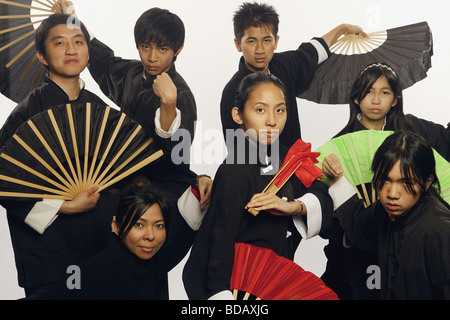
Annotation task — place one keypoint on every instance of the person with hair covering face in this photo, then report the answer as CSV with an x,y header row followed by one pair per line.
x,y
408,227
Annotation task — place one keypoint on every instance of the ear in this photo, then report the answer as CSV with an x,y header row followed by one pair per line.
x,y
429,182
179,50
238,45
115,227
276,42
394,103
41,58
236,115
356,102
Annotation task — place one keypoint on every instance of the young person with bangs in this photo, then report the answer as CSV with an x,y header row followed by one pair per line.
x,y
151,91
252,163
376,103
50,235
146,243
256,36
408,228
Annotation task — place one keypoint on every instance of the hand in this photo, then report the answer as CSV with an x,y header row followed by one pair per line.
x,y
204,187
166,90
65,7
273,204
343,29
332,168
82,202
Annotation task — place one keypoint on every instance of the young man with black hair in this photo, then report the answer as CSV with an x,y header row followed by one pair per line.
x,y
256,36
50,235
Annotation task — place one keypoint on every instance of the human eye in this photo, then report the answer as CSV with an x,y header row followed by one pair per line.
x,y
160,226
145,46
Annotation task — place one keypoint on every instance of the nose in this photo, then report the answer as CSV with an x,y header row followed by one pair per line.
x,y
152,55
259,47
149,235
376,99
393,191
70,48
271,120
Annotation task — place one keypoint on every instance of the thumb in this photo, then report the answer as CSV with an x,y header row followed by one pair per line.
x,y
92,190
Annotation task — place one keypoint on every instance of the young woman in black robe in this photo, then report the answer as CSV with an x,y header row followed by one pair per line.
x,y
249,167
408,227
146,243
376,103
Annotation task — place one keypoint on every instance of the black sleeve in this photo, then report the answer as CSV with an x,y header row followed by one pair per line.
x,y
108,70
360,224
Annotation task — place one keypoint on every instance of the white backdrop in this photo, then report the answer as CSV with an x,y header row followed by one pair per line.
x,y
209,59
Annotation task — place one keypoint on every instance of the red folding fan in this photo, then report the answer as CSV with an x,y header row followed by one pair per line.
x,y
299,161
261,273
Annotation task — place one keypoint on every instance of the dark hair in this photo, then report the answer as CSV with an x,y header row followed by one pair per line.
x,y
363,84
52,21
417,162
249,83
254,15
160,26
135,200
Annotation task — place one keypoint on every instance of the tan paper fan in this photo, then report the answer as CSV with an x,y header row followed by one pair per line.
x,y
70,148
20,70
407,49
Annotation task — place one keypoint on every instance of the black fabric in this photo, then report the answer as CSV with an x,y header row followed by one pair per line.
x,y
413,251
209,267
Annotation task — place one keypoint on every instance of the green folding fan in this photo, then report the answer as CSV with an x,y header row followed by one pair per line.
x,y
356,151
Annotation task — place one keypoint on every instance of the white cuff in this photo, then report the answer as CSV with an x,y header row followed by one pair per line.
x,y
176,123
223,295
189,207
314,217
321,51
43,214
341,191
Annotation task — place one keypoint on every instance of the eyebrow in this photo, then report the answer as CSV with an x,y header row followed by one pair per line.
x,y
79,35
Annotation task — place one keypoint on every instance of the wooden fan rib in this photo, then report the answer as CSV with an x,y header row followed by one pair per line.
x,y
97,146
23,16
33,185
354,159
66,153
17,40
44,4
108,147
131,158
34,172
20,26
20,54
87,145
32,196
132,170
77,175
119,153
21,5
42,161
33,60
71,183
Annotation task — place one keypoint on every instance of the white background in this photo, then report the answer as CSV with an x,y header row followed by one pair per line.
x,y
209,59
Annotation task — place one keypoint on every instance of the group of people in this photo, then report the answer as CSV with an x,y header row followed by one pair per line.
x,y
126,239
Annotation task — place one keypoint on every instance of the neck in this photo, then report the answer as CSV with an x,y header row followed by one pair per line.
x,y
374,125
70,85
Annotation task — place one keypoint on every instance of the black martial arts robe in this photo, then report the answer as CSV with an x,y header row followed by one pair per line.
x,y
70,239
295,69
123,82
413,251
346,271
209,267
117,274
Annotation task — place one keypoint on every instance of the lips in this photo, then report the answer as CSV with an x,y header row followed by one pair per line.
x,y
392,206
72,61
147,249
